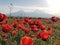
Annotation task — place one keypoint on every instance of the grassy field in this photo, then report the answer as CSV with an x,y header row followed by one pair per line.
x,y
15,40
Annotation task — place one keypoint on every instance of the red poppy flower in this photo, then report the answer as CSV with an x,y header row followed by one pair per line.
x,y
21,26
30,22
26,19
57,43
2,17
6,28
54,18
34,28
43,35
42,27
50,30
22,22
3,34
14,32
26,30
15,24
26,40
3,22
37,22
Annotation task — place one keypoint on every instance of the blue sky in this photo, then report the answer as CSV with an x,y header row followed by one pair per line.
x,y
41,3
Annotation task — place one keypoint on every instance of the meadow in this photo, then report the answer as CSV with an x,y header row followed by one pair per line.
x,y
29,31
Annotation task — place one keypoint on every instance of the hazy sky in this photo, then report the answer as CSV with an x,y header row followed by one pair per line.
x,y
48,6
41,3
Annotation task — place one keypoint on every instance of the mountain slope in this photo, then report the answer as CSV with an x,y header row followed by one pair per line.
x,y
35,13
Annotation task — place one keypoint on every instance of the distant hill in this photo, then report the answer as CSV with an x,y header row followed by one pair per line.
x,y
35,13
